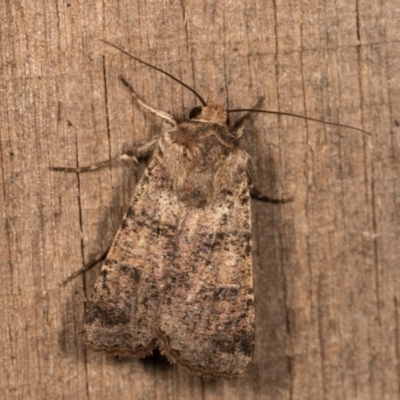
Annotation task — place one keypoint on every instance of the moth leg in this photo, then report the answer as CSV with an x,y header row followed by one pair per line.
x,y
257,195
88,266
237,129
93,167
161,114
145,150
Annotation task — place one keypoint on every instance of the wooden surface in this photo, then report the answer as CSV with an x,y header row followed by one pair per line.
x,y
326,266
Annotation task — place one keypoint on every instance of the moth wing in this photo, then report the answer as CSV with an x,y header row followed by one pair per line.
x,y
206,317
122,310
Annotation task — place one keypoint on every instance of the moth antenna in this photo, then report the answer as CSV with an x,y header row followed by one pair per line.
x,y
300,116
157,69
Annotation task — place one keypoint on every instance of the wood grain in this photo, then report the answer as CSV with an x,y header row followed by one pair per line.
x,y
326,266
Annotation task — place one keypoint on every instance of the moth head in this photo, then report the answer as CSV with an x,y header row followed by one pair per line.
x,y
211,112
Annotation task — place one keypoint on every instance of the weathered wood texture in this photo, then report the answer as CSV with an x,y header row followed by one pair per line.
x,y
326,266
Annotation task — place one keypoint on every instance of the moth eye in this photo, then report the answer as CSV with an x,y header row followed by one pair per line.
x,y
195,112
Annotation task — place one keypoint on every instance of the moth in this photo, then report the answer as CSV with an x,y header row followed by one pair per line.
x,y
178,276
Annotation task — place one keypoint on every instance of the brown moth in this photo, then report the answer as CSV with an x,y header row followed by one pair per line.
x,y
178,276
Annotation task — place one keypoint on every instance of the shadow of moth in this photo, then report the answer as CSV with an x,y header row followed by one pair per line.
x,y
178,275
